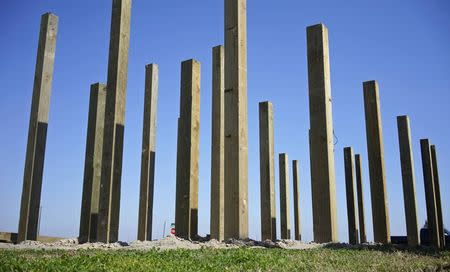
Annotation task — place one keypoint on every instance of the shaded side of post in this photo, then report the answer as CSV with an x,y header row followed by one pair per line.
x,y
218,144
360,191
37,130
186,206
430,194
350,192
437,190
323,180
110,186
375,151
284,197
297,220
236,120
148,156
408,178
93,164
267,172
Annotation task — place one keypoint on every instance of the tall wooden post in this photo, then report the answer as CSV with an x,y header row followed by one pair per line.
x,y
360,190
218,145
375,151
430,193
350,191
297,221
267,172
148,157
37,130
108,223
236,120
437,190
323,180
186,206
284,197
408,178
93,165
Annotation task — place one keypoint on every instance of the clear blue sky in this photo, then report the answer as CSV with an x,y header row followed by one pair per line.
x,y
402,44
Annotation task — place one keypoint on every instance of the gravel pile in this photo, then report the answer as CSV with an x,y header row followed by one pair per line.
x,y
167,243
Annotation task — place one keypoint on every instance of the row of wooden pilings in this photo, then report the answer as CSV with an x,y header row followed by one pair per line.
x,y
229,158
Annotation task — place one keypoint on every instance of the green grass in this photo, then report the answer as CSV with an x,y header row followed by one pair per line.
x,y
244,259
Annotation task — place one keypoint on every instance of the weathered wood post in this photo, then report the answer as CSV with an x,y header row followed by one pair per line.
x,y
37,130
350,192
186,206
267,172
218,145
236,120
108,217
360,190
93,165
323,180
408,177
284,197
297,221
375,151
148,156
437,190
430,193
